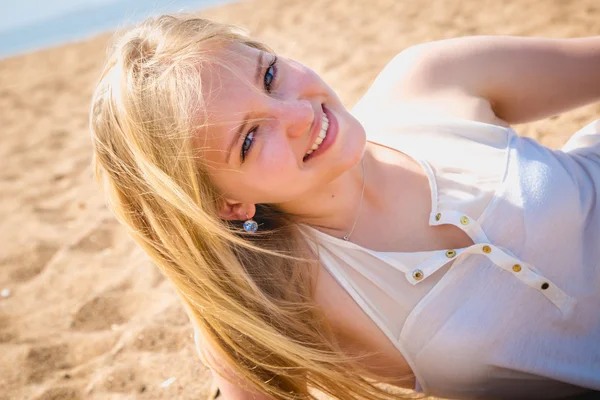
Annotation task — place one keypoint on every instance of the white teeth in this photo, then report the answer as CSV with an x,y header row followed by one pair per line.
x,y
321,136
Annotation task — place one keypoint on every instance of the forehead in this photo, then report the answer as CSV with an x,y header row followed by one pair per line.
x,y
228,87
228,76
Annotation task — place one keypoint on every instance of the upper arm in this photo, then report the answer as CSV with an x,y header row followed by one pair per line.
x,y
399,80
521,79
524,78
407,87
231,385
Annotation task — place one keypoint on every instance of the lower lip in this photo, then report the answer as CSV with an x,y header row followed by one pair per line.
x,y
332,131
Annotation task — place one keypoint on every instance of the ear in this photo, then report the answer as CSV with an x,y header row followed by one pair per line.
x,y
234,211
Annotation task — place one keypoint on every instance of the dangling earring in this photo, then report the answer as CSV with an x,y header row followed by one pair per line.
x,y
250,225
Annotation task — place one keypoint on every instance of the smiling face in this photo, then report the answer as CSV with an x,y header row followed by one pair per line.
x,y
264,114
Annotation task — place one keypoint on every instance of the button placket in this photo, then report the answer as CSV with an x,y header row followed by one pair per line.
x,y
435,218
499,257
526,274
552,292
418,275
431,265
461,220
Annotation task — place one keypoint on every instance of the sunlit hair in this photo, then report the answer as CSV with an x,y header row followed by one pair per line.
x,y
249,294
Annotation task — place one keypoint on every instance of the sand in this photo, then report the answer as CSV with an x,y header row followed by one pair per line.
x,y
88,316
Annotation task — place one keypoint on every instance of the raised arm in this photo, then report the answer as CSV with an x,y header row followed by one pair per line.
x,y
522,78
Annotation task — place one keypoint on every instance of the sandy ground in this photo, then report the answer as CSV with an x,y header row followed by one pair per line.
x,y
87,316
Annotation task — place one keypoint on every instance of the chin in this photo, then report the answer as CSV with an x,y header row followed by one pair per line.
x,y
351,151
355,142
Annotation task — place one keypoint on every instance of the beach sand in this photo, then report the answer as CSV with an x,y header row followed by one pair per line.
x,y
88,316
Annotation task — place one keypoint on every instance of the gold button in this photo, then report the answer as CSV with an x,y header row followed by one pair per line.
x,y
487,249
516,268
464,220
438,216
450,253
418,274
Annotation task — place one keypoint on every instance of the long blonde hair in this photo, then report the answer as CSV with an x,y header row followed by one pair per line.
x,y
250,295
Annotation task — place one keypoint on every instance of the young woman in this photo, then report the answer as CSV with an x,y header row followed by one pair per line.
x,y
444,254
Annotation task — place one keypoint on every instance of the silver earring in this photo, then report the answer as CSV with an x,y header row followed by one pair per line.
x,y
250,225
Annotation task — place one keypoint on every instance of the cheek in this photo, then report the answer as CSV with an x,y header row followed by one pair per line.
x,y
277,160
303,77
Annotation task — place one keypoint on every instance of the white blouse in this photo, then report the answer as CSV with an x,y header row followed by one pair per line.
x,y
517,315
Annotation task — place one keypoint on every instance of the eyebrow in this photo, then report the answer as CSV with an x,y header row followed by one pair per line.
x,y
247,117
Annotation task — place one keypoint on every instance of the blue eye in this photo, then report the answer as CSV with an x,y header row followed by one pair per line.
x,y
268,79
248,140
270,75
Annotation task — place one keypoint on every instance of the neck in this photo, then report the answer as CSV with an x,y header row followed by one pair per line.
x,y
334,207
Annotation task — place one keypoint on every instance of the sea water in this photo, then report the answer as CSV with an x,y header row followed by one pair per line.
x,y
28,25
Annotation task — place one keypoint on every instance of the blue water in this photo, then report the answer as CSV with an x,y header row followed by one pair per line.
x,y
28,25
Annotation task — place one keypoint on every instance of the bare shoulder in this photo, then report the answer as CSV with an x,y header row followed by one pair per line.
x,y
408,85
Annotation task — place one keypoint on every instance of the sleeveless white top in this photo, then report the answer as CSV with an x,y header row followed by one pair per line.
x,y
517,315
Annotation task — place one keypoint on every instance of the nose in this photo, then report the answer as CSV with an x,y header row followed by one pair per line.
x,y
295,116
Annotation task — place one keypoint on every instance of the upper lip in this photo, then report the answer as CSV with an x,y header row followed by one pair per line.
x,y
315,128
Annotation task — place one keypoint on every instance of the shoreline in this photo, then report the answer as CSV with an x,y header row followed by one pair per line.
x,y
80,25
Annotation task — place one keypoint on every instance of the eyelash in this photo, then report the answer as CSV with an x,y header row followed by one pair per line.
x,y
268,88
